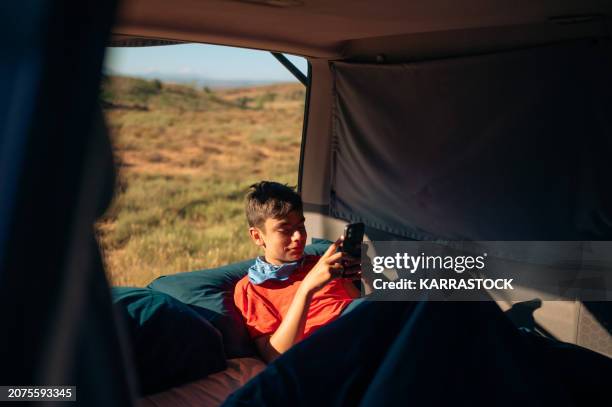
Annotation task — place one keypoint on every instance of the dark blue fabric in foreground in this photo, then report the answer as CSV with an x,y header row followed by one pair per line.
x,y
429,353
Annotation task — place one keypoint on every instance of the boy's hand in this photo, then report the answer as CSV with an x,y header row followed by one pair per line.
x,y
352,268
327,268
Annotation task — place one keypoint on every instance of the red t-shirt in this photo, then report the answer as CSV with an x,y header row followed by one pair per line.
x,y
264,306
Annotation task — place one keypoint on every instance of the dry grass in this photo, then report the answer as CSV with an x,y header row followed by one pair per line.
x,y
186,158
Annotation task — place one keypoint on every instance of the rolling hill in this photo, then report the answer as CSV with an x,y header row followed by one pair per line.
x,y
185,157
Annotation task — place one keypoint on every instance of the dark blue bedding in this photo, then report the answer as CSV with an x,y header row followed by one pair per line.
x,y
429,353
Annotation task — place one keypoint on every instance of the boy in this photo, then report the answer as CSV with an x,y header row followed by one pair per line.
x,y
286,295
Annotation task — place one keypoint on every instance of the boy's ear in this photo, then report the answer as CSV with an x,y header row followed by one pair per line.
x,y
257,236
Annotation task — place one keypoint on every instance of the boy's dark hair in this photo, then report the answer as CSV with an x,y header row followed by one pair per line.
x,y
268,199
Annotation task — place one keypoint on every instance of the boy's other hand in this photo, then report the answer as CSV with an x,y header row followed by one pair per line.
x,y
327,268
352,268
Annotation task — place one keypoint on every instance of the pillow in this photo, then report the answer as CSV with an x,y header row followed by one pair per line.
x,y
171,343
318,246
211,293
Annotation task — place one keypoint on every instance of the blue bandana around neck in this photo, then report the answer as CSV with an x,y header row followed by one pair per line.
x,y
262,271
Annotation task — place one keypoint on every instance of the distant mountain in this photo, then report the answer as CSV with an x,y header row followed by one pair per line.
x,y
197,80
129,93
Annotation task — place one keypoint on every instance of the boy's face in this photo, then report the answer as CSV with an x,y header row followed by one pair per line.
x,y
282,239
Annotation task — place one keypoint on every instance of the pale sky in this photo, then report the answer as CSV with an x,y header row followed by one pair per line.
x,y
209,61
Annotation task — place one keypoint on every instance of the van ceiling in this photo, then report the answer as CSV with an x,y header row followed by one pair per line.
x,y
321,28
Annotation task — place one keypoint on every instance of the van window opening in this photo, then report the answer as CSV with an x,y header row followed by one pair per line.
x,y
192,127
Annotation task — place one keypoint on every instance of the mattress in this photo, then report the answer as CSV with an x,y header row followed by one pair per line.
x,y
209,391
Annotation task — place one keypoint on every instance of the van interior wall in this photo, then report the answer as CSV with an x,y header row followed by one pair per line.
x,y
505,145
315,176
441,149
314,186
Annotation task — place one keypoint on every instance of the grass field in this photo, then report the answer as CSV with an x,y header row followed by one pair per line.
x,y
185,158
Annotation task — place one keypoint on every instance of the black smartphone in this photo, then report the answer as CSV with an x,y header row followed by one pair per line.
x,y
353,237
